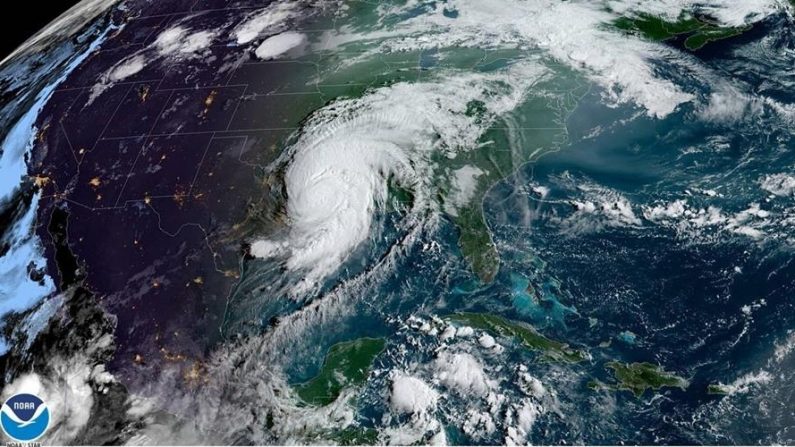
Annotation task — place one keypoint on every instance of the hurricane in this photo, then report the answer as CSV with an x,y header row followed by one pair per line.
x,y
405,222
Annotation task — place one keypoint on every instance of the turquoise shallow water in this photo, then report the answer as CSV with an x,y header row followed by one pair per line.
x,y
701,300
621,236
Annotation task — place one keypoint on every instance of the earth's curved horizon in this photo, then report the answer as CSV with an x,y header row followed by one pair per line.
x,y
459,222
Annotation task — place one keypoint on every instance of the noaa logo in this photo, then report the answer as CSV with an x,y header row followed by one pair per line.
x,y
24,417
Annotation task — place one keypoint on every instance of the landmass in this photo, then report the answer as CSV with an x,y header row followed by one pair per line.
x,y
536,127
346,364
639,378
530,338
717,389
699,32
539,127
356,436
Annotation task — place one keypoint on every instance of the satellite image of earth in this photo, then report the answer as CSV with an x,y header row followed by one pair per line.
x,y
402,222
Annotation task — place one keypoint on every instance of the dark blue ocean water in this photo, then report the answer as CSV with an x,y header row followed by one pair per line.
x,y
708,305
703,302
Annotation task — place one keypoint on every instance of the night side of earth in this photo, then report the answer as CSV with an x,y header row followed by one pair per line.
x,y
408,222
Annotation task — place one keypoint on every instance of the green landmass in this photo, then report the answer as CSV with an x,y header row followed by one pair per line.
x,y
656,28
640,377
537,126
704,37
717,389
346,364
475,242
400,197
525,334
355,436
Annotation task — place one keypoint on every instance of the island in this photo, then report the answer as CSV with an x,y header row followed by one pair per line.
x,y
717,389
526,335
639,378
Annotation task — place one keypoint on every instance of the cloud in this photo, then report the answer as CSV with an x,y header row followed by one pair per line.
x,y
128,68
622,65
275,46
462,373
348,151
180,43
173,45
263,21
411,395
68,389
781,185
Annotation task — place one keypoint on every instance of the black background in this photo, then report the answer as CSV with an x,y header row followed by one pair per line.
x,y
29,17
